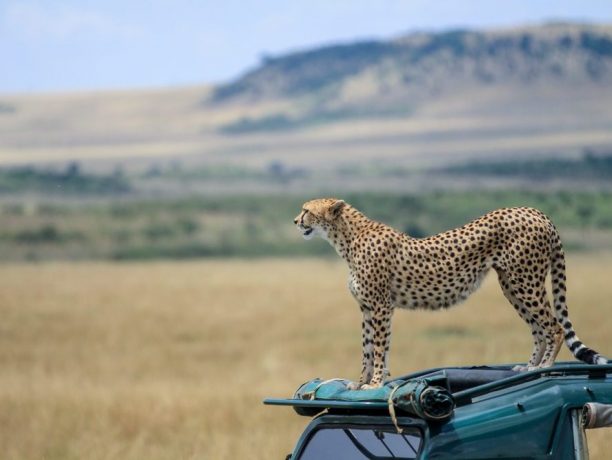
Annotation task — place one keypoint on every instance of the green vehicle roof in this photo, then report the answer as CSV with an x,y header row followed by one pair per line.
x,y
518,416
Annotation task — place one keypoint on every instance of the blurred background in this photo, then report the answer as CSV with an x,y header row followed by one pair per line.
x,y
153,156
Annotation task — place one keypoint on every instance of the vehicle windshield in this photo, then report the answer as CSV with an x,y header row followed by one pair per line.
x,y
357,443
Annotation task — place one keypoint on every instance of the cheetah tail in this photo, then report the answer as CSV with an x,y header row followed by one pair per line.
x,y
580,351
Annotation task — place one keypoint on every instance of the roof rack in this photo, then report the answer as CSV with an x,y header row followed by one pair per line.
x,y
463,397
563,369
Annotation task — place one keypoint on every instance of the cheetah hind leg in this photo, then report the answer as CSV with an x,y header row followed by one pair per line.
x,y
543,355
539,344
539,349
548,330
553,345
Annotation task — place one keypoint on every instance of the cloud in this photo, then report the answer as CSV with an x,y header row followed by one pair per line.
x,y
32,21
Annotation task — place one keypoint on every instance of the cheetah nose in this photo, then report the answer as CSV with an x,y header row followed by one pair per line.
x,y
295,221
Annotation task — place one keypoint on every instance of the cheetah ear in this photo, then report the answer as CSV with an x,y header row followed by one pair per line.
x,y
335,209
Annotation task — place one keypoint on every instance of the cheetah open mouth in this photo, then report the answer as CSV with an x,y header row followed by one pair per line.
x,y
308,231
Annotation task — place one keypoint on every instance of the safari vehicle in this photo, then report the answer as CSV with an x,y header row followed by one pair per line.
x,y
486,412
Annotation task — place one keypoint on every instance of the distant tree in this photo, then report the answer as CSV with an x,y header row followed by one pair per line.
x,y
276,168
153,171
118,172
73,169
176,166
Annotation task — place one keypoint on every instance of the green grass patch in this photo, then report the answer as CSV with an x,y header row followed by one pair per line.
x,y
71,181
260,226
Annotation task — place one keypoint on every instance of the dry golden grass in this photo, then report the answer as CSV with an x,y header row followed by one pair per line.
x,y
171,360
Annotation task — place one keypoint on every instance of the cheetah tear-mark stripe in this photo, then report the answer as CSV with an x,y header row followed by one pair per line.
x,y
579,350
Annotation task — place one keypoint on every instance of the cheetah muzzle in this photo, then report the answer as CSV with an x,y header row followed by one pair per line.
x,y
390,269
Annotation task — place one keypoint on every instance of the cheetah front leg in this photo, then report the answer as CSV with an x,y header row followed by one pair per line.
x,y
381,325
367,349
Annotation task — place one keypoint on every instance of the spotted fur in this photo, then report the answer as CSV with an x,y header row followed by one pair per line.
x,y
390,269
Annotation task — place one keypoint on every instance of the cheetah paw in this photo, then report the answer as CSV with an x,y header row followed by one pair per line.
x,y
369,386
525,368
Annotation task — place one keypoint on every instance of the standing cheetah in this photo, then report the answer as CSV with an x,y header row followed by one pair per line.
x,y
390,269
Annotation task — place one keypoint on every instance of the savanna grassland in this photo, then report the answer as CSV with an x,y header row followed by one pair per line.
x,y
142,315
172,359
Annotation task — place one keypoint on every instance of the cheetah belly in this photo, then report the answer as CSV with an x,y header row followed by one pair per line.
x,y
433,291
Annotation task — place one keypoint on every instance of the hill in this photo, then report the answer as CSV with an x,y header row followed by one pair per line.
x,y
397,76
414,101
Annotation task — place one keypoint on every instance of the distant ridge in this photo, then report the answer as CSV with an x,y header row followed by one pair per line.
x,y
417,65
420,99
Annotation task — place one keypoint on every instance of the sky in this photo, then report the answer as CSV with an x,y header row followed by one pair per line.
x,y
55,45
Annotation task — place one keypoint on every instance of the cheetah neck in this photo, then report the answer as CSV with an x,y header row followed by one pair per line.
x,y
344,231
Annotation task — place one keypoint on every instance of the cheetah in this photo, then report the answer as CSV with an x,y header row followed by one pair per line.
x,y
390,269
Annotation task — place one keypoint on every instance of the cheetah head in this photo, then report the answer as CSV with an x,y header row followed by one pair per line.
x,y
318,216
